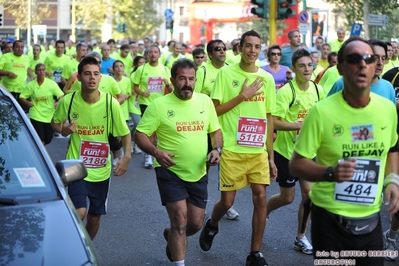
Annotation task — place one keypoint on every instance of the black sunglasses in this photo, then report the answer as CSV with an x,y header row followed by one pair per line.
x,y
274,54
356,58
219,48
199,57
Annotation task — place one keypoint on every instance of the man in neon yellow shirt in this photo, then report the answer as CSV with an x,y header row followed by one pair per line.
x,y
294,101
395,53
72,65
90,123
38,57
150,81
356,148
181,119
175,55
70,49
165,54
325,50
244,97
55,62
125,57
14,70
336,44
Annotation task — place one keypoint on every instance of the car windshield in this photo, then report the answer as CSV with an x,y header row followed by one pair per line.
x,y
24,175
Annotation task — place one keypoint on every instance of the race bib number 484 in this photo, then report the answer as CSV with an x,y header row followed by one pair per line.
x,y
251,132
363,187
94,154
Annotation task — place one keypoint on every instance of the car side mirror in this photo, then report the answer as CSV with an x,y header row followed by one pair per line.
x,y
71,171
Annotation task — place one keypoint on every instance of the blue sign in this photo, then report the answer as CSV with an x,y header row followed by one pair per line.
x,y
303,17
356,29
168,13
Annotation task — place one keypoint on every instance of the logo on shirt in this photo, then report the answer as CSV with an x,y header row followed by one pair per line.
x,y
338,130
75,115
170,113
235,83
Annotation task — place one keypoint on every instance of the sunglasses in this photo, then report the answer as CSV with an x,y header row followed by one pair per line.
x,y
199,57
219,48
274,54
357,58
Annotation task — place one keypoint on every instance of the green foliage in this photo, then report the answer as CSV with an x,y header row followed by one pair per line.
x,y
261,26
140,16
19,10
391,31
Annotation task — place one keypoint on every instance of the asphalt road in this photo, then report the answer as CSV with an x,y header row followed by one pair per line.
x,y
131,232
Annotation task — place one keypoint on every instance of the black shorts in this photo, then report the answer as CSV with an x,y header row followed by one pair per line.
x,y
172,188
44,130
284,178
142,109
97,192
328,235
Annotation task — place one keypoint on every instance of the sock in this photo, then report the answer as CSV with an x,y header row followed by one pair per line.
x,y
208,224
179,263
253,253
392,234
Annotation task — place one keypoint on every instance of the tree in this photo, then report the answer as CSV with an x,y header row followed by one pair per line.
x,y
140,16
356,14
19,10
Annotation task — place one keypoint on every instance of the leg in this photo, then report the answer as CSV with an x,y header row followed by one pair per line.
x,y
221,207
305,189
92,225
286,196
390,237
259,215
195,219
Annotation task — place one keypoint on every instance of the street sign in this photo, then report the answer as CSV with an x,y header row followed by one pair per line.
x,y
378,20
356,29
303,28
39,29
168,13
303,17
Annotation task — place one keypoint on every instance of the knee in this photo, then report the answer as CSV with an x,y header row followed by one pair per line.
x,y
288,199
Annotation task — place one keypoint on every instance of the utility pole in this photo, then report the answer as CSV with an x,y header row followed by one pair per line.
x,y
273,21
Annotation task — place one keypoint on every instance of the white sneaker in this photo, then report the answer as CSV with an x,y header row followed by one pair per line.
x,y
136,149
303,245
148,162
232,214
390,245
115,161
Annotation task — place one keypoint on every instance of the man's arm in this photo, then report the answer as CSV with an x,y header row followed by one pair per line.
x,y
139,92
217,141
269,146
8,74
285,126
64,129
392,189
26,102
123,163
246,93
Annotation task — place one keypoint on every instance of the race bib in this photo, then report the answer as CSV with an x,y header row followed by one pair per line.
x,y
363,187
57,76
154,84
251,132
94,154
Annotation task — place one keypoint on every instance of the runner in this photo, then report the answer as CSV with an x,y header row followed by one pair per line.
x,y
55,63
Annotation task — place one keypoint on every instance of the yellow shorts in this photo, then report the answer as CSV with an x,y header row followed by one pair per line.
x,y
238,170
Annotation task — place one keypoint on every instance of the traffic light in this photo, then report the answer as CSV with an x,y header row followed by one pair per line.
x,y
169,23
123,27
284,9
1,18
262,10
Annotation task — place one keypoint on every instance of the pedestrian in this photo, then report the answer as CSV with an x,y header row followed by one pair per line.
x,y
181,119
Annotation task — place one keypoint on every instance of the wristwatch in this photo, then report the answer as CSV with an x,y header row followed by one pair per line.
x,y
328,174
219,150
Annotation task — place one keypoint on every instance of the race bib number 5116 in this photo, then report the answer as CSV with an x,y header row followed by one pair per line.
x,y
251,132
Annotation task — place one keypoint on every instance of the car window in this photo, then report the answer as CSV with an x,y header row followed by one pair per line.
x,y
24,175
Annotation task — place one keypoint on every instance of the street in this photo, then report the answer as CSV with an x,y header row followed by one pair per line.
x,y
132,231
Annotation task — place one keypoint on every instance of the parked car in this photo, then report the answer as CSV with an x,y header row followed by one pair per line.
x,y
38,223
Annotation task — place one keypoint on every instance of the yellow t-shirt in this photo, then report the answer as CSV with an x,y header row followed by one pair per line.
x,y
42,98
55,65
107,84
323,63
19,66
182,127
125,86
94,122
70,51
303,102
127,63
329,78
205,75
33,62
316,72
332,131
71,67
238,124
335,45
150,79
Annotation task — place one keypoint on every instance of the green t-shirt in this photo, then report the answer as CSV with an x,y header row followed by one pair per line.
x,y
70,51
336,45
205,75
331,131
303,102
150,79
33,62
163,57
126,88
94,123
42,98
71,67
181,127
329,78
19,66
244,127
107,84
323,63
56,65
316,72
127,63
170,60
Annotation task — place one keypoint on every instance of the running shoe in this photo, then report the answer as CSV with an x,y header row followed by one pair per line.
x,y
206,237
256,260
165,235
390,245
303,245
232,214
148,162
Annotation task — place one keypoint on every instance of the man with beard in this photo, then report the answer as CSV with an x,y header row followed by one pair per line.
x,y
150,81
181,119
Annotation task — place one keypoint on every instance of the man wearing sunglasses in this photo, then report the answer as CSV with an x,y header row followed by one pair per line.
x,y
199,56
351,171
244,97
206,76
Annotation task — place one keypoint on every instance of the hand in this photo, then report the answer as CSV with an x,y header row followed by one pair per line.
x,y
121,167
49,74
165,81
12,75
146,94
164,158
213,158
30,104
273,170
288,74
253,89
392,196
344,170
68,129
